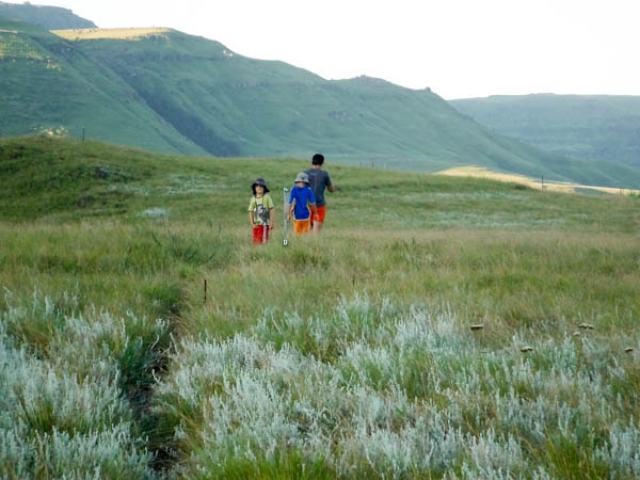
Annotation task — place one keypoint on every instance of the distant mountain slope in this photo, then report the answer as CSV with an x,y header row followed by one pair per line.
x,y
48,85
234,105
166,91
603,128
49,18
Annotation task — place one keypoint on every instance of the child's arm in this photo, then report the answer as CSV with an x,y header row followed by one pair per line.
x,y
290,212
252,207
272,218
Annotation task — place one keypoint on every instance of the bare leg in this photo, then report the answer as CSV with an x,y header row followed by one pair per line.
x,y
317,226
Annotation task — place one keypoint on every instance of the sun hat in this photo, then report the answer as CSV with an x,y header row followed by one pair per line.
x,y
302,177
259,181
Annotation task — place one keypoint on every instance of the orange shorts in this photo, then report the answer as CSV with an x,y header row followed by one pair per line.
x,y
301,226
320,213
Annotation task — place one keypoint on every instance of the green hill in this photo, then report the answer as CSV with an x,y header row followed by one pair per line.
x,y
233,105
165,91
597,128
50,86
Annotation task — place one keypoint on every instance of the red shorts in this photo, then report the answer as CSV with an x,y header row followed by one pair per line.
x,y
261,233
320,213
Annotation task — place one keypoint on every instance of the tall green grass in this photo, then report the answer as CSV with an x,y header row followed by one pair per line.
x,y
437,328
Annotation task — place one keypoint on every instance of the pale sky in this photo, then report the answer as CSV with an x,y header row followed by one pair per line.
x,y
458,48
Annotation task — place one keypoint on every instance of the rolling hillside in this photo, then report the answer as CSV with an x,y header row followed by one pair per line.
x,y
49,86
166,91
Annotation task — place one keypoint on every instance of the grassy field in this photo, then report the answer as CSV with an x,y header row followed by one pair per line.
x,y
439,327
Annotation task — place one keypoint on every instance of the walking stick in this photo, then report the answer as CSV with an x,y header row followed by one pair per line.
x,y
285,242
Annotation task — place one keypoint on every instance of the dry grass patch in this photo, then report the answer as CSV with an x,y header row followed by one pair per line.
x,y
562,187
112,33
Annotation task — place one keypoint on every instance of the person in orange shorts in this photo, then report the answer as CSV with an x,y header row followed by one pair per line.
x,y
319,179
302,205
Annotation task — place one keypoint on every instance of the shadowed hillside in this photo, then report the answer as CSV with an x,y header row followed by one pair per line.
x,y
597,127
49,85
